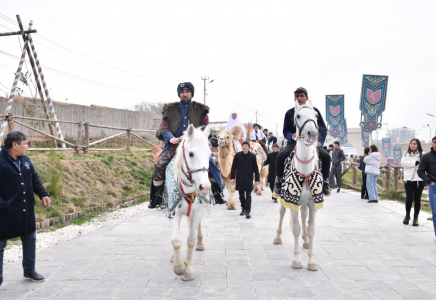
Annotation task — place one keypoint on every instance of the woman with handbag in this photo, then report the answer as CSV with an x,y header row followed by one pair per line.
x,y
413,184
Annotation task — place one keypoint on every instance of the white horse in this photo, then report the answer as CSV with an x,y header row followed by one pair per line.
x,y
187,188
305,161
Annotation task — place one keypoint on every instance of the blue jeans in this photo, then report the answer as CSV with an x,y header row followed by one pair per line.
x,y
29,253
371,186
432,199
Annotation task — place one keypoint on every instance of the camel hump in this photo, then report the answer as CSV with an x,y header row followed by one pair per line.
x,y
236,131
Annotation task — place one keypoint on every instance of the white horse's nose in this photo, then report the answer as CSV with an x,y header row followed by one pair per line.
x,y
204,187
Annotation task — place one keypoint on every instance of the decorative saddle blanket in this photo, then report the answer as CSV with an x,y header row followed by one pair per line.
x,y
173,194
293,185
237,147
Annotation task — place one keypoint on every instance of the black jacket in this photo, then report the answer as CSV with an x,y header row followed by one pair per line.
x,y
362,165
271,161
289,127
427,167
338,156
244,165
17,202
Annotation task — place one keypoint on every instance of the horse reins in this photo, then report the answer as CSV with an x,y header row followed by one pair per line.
x,y
300,129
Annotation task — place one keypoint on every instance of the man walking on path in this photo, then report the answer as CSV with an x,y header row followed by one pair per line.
x,y
427,172
19,183
243,167
337,158
290,134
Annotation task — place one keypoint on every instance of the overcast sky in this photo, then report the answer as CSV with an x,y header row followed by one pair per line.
x,y
257,53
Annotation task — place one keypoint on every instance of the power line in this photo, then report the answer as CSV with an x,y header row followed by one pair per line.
x,y
85,79
77,53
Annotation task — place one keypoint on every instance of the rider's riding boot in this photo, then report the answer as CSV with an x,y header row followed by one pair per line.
x,y
277,187
326,188
157,198
217,195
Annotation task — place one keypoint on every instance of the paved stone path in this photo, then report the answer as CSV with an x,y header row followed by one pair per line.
x,y
363,252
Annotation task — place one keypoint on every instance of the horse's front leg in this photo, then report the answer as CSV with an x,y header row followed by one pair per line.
x,y
278,238
200,245
296,229
196,216
178,264
304,226
312,266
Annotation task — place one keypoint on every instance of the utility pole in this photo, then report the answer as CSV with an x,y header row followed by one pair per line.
x,y
277,132
204,79
256,112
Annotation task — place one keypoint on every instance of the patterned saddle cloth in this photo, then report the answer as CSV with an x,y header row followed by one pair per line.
x,y
293,185
173,195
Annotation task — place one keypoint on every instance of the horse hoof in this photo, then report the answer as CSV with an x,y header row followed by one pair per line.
x,y
306,245
312,267
199,247
277,241
297,265
180,270
188,277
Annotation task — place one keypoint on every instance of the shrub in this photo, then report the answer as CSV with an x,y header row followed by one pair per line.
x,y
54,175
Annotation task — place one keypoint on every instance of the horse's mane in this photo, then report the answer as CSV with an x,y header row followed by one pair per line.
x,y
197,139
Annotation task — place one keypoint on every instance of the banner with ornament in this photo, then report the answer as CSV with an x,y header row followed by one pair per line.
x,y
373,101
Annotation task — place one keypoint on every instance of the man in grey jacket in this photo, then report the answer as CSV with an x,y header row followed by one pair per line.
x,y
336,170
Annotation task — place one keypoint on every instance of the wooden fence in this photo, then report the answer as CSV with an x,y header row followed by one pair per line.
x,y
79,146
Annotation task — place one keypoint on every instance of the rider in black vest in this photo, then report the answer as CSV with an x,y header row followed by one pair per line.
x,y
289,132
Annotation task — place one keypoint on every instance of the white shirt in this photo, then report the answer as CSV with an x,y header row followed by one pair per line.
x,y
260,135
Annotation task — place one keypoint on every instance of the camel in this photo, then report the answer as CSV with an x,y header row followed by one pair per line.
x,y
257,149
187,188
305,175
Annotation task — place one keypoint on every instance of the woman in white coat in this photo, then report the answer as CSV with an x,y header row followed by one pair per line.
x,y
413,184
372,170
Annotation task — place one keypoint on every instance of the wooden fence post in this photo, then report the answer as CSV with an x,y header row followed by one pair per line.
x,y
396,177
86,147
129,139
79,137
354,176
10,119
388,177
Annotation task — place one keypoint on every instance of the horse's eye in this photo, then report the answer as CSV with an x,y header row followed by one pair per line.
x,y
298,116
191,154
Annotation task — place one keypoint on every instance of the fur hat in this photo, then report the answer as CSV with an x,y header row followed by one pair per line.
x,y
185,85
257,125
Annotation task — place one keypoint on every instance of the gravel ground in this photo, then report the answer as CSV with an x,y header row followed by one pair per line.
x,y
62,235
398,208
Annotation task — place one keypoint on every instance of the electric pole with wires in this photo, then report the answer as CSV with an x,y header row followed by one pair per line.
x,y
205,78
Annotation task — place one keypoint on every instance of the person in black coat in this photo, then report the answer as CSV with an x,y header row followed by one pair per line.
x,y
243,167
363,191
271,161
18,183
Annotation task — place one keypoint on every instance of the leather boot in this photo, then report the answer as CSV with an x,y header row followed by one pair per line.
x,y
326,188
415,221
242,212
217,195
278,187
406,220
156,201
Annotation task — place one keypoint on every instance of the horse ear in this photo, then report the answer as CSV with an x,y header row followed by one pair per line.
x,y
206,131
297,106
310,103
190,131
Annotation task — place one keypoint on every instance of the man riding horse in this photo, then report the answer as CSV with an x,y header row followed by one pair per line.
x,y
176,117
289,132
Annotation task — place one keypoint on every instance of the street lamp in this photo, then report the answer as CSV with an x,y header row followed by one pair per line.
x,y
204,79
431,115
430,128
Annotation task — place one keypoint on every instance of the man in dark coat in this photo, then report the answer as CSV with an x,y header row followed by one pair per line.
x,y
243,167
338,157
271,141
271,161
176,117
18,183
363,190
290,134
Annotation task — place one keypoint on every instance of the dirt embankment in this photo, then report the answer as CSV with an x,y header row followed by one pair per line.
x,y
78,182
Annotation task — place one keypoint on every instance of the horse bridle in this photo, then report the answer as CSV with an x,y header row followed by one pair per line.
x,y
300,129
188,169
